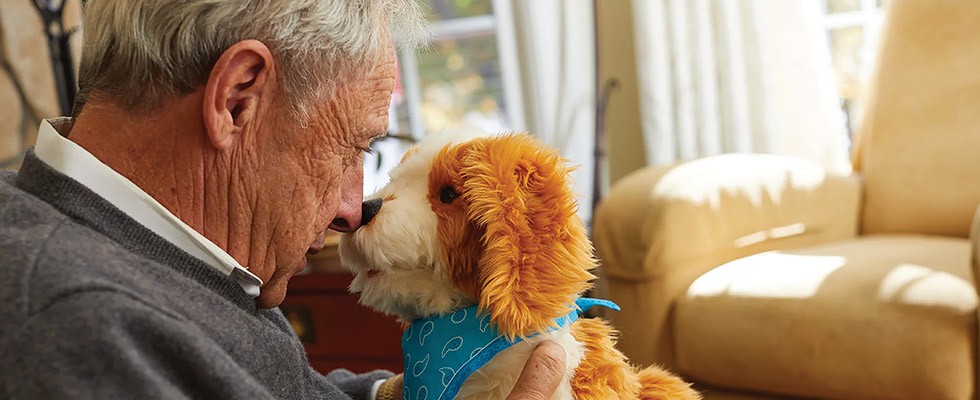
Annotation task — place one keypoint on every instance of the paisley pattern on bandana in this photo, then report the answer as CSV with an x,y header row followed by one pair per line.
x,y
441,352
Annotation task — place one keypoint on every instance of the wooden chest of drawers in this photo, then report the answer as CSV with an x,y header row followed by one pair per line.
x,y
336,330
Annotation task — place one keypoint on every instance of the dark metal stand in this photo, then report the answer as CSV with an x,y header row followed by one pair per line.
x,y
60,51
602,94
602,91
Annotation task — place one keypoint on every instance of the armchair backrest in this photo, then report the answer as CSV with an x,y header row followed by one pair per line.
x,y
918,147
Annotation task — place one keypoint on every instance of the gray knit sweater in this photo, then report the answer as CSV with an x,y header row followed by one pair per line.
x,y
95,306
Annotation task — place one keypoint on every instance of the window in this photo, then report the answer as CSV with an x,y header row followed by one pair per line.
x,y
468,75
852,28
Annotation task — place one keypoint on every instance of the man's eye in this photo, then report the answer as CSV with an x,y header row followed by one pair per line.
x,y
365,150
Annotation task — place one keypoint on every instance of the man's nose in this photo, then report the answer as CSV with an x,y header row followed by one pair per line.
x,y
348,217
369,209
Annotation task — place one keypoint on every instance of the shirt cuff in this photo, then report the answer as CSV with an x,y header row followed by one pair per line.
x,y
375,387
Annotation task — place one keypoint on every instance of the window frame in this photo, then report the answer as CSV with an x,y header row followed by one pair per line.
x,y
869,17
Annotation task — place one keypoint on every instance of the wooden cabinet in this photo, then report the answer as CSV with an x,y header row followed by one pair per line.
x,y
336,330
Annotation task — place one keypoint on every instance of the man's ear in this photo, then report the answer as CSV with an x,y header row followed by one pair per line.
x,y
241,84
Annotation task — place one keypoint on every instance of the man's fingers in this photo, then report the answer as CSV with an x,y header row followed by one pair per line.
x,y
542,374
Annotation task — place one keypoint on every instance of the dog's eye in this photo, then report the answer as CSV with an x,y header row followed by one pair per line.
x,y
448,194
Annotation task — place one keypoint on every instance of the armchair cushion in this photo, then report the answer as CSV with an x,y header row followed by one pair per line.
x,y
873,317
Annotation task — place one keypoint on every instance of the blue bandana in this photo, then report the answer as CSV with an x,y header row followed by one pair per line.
x,y
441,352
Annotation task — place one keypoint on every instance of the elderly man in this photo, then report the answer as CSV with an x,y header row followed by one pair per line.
x,y
146,242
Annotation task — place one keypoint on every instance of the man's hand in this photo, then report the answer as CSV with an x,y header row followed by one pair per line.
x,y
540,379
542,373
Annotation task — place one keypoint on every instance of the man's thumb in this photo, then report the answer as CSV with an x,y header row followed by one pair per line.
x,y
542,373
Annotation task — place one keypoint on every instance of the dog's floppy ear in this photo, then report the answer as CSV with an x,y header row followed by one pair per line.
x,y
536,254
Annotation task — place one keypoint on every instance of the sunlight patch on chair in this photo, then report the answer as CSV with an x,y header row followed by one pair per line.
x,y
924,286
778,232
753,177
768,275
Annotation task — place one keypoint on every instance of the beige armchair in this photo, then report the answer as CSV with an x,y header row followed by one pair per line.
x,y
765,274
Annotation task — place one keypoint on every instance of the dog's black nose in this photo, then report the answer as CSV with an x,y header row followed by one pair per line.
x,y
369,209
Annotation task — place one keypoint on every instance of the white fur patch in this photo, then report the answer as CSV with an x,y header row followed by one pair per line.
x,y
401,243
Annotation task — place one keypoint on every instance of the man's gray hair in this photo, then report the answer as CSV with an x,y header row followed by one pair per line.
x,y
137,52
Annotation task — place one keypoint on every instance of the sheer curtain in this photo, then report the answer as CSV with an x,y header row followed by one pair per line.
x,y
557,57
721,76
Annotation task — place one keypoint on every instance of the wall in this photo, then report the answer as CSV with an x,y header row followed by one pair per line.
x,y
27,91
624,138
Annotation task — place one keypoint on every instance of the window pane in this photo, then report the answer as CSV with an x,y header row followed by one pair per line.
x,y
847,45
449,9
461,83
837,6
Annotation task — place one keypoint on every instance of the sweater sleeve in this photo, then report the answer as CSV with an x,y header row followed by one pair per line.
x,y
111,345
357,386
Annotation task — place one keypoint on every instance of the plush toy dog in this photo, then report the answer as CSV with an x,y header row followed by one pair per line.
x,y
476,246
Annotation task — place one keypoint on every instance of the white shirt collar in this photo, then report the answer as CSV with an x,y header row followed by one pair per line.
x,y
75,162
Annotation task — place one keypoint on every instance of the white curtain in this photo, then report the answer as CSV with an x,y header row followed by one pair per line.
x,y
721,76
557,63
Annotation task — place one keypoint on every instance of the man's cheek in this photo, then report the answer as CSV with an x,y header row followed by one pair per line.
x,y
329,198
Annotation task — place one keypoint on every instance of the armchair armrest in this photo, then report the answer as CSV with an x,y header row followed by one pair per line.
x,y
694,216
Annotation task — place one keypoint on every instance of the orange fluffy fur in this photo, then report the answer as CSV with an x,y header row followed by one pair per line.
x,y
515,244
604,373
535,256
461,239
657,384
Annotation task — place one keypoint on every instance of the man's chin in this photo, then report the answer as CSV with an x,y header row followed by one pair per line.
x,y
270,297
273,292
